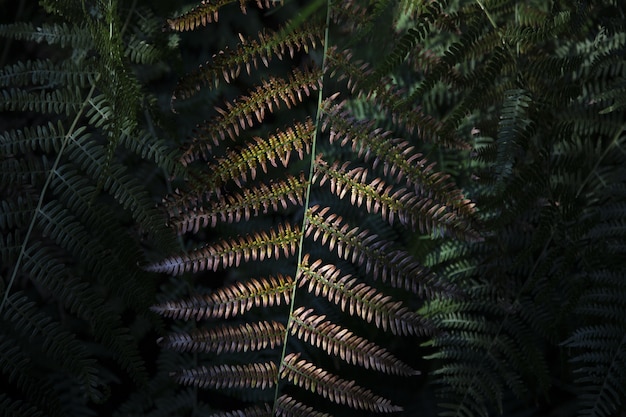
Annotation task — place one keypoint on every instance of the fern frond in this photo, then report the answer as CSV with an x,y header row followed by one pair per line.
x,y
398,158
63,34
231,300
288,407
254,375
46,73
238,165
227,63
208,12
236,206
379,257
58,345
409,209
17,408
310,377
254,411
408,41
339,341
359,299
514,128
18,367
601,372
240,114
242,338
60,101
231,252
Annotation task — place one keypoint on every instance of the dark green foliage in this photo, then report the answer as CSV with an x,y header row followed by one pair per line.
x,y
73,296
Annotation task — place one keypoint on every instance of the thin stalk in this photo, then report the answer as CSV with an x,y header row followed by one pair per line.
x,y
613,143
307,200
42,194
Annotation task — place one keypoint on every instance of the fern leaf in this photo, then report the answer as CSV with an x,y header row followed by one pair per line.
x,y
235,206
361,300
399,160
514,127
208,12
380,259
59,345
241,164
381,197
227,64
17,408
231,300
254,375
62,101
63,34
288,407
231,252
240,114
248,336
310,377
254,411
17,366
339,341
46,72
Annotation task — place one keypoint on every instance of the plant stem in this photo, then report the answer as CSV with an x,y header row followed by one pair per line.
x,y
307,200
42,194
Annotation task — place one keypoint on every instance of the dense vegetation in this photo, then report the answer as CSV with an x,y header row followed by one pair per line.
x,y
310,208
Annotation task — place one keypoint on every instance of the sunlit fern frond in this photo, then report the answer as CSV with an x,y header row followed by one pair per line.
x,y
231,300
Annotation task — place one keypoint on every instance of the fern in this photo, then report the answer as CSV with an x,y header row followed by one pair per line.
x,y
240,187
68,195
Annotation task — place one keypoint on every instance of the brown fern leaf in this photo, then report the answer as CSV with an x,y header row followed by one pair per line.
x,y
357,298
264,410
342,66
288,407
242,338
231,300
227,64
338,341
379,257
240,164
254,375
252,201
391,202
398,158
208,12
241,113
310,377
231,252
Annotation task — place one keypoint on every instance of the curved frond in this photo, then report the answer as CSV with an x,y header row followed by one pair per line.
x,y
379,257
231,300
208,12
339,341
254,375
310,377
258,246
240,114
242,338
237,206
227,63
359,299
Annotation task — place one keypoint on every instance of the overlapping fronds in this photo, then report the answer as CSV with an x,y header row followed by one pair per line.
x,y
74,209
310,377
258,182
373,219
338,341
274,243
